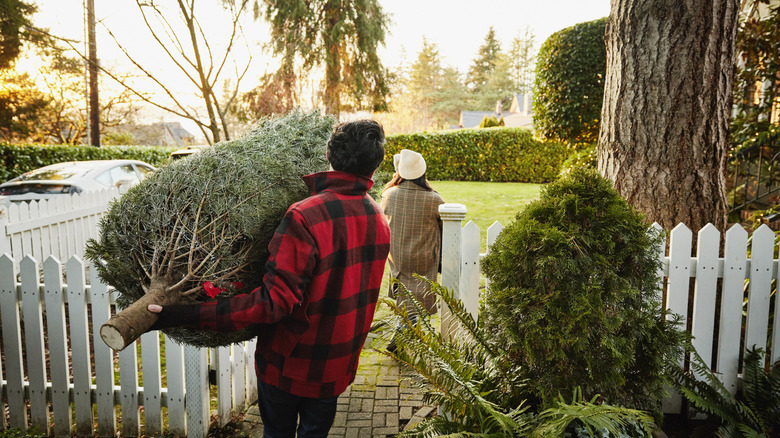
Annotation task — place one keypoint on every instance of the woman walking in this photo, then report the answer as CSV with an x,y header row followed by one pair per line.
x,y
411,207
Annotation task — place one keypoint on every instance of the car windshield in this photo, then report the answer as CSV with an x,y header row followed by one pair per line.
x,y
41,189
57,173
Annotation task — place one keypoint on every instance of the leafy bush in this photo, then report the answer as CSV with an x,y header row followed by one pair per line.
x,y
17,159
585,158
491,122
574,296
569,84
497,154
480,391
32,432
758,42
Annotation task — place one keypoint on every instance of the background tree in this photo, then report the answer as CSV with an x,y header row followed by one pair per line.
x,y
21,106
522,61
16,28
569,84
276,94
341,36
499,86
482,66
190,48
47,105
667,102
452,96
425,76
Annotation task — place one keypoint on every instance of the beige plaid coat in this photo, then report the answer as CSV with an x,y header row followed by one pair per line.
x,y
415,237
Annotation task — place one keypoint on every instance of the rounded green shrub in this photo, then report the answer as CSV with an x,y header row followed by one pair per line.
x,y
569,84
491,122
574,298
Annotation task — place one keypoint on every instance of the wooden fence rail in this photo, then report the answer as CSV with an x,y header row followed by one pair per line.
x,y
719,286
55,363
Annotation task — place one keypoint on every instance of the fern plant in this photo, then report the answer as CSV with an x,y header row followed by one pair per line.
x,y
478,389
754,411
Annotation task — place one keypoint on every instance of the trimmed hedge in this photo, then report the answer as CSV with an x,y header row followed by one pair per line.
x,y
494,154
18,159
569,84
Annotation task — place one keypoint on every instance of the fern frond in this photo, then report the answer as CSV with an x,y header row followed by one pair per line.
x,y
555,420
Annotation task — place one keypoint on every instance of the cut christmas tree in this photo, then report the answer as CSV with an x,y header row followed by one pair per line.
x,y
198,229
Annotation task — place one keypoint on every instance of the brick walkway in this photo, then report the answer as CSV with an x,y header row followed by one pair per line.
x,y
380,403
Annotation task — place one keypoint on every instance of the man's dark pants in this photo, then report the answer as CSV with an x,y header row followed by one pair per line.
x,y
280,411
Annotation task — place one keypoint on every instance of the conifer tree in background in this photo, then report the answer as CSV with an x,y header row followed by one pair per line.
x,y
341,36
16,28
522,61
485,62
199,228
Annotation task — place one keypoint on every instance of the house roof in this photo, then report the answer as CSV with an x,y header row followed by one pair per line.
x,y
521,103
518,120
472,119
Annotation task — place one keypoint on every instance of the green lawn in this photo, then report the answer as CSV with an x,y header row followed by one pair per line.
x,y
487,202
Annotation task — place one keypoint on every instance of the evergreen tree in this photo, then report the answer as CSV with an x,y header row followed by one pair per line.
x,y
485,62
199,228
522,61
452,96
498,87
343,37
425,77
15,28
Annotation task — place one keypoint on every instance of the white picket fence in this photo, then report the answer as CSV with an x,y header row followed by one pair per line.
x,y
58,226
460,272
64,369
61,369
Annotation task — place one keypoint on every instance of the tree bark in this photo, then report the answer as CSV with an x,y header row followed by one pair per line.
x,y
667,102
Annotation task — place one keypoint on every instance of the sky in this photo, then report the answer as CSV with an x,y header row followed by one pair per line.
x,y
457,27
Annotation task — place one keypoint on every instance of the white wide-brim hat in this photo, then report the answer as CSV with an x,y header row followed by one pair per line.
x,y
396,159
411,165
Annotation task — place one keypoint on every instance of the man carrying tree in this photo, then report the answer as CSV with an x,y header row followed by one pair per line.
x,y
318,296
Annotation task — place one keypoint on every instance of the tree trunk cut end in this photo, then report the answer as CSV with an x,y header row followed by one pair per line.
x,y
112,337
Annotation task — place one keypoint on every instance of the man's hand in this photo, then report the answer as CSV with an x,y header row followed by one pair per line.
x,y
173,316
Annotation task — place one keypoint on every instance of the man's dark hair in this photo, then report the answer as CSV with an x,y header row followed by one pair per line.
x,y
357,147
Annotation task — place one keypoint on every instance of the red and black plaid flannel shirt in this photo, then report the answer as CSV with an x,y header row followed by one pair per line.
x,y
324,272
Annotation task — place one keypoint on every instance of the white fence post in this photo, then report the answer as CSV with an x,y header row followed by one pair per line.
x,y
761,267
730,328
452,216
79,345
12,343
104,357
469,277
58,346
197,386
5,242
35,350
705,291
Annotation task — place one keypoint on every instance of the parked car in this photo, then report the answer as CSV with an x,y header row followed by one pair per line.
x,y
74,177
186,152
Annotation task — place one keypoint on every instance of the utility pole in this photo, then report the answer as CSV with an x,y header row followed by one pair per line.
x,y
94,103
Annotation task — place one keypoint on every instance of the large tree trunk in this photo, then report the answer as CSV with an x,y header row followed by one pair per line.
x,y
667,100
